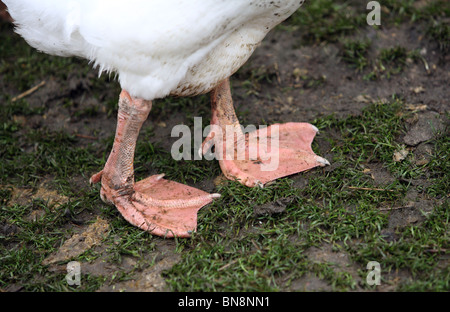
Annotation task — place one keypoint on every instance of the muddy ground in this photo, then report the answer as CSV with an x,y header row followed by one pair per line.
x,y
276,93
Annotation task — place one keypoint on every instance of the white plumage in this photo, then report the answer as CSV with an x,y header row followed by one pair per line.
x,y
157,47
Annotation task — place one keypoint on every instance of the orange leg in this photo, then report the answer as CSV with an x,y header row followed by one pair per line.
x,y
259,156
160,206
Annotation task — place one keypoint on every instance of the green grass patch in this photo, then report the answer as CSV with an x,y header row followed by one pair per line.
x,y
234,250
325,20
355,53
391,61
440,32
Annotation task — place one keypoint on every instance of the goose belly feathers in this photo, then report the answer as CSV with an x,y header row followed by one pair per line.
x,y
157,47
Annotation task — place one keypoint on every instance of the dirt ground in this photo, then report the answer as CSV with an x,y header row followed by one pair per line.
x,y
280,96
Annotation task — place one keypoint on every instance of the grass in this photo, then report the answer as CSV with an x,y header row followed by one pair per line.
x,y
233,249
389,61
440,32
330,21
355,53
32,65
249,253
325,20
339,207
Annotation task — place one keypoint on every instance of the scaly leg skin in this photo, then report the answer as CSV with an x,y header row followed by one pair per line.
x,y
266,154
156,205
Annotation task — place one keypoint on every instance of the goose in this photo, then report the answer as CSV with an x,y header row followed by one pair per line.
x,y
160,48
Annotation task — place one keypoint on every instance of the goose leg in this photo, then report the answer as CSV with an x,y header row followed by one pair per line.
x,y
156,205
262,155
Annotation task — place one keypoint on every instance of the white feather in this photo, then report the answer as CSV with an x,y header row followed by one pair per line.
x,y
157,47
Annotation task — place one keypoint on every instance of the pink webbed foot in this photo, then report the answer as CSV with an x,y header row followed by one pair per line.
x,y
159,206
272,153
156,205
262,155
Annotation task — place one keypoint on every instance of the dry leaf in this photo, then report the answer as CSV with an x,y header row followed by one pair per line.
x,y
50,196
422,162
400,155
220,180
79,243
416,108
363,98
297,72
418,89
